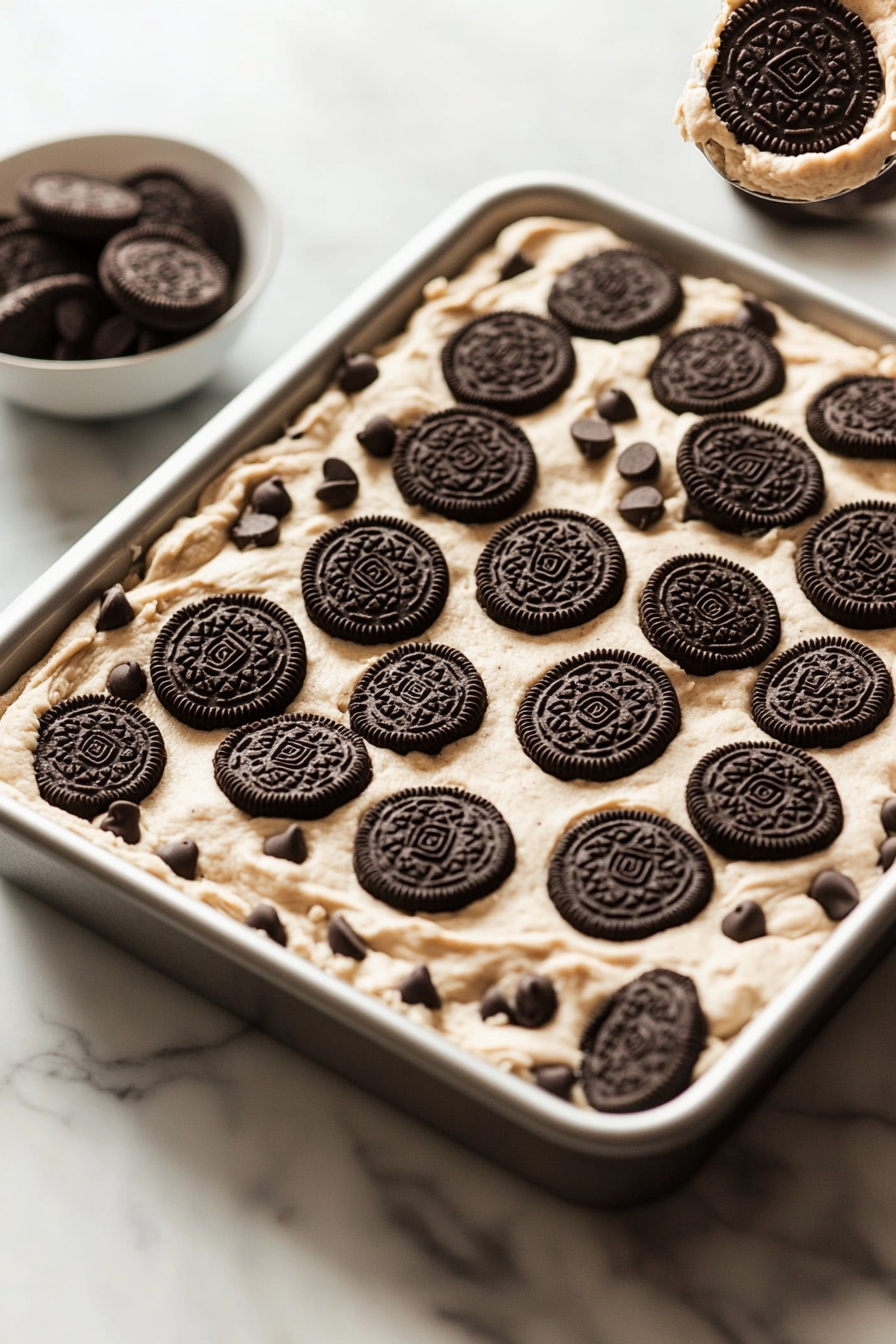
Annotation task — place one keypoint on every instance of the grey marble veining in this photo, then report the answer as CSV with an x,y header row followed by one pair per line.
x,y
166,1173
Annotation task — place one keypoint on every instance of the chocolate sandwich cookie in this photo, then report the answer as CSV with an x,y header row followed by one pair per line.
x,y
747,477
550,570
846,565
28,253
374,581
187,201
27,314
299,765
616,295
855,417
165,277
795,78
466,463
93,751
708,614
433,849
760,800
418,697
228,660
641,1046
600,716
822,693
78,206
625,875
716,369
513,362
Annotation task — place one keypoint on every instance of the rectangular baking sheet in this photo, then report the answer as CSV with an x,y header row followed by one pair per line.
x,y
583,1155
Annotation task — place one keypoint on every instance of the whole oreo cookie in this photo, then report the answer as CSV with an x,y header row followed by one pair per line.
x,y
855,417
795,78
187,201
93,751
513,362
616,294
302,766
716,369
625,875
846,565
708,614
747,477
228,660
27,253
822,693
640,1048
28,314
760,800
466,463
165,277
374,581
78,206
418,697
550,570
433,850
600,716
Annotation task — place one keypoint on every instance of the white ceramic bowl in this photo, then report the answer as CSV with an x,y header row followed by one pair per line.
x,y
100,388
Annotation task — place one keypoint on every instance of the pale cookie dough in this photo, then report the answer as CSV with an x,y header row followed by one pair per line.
x,y
801,177
517,929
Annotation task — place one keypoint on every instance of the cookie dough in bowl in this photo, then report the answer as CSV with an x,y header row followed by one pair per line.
x,y
795,101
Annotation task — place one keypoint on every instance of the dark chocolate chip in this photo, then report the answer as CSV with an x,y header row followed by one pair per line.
x,y
887,852
335,469
76,318
299,765
344,940
594,437
690,513
266,918
378,436
123,820
127,681
638,463
836,893
855,417
115,609
289,845
255,529
717,369
164,277
337,494
114,337
846,565
516,265
535,1002
418,697
419,988
745,922
753,313
822,693
93,751
616,294
357,372
888,816
642,507
271,497
492,1003
181,856
558,1079
616,405
509,361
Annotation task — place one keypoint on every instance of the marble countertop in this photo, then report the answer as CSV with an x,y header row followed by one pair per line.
x,y
166,1173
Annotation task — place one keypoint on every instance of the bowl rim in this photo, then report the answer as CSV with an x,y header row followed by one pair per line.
x,y
269,259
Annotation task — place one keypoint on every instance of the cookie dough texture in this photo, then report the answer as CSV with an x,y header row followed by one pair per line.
x,y
517,930
801,177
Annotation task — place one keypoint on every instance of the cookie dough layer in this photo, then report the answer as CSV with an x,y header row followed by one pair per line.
x,y
516,930
801,177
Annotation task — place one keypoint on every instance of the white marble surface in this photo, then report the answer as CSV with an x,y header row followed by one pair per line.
x,y
167,1174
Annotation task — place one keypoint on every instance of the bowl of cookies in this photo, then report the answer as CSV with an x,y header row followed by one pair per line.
x,y
129,265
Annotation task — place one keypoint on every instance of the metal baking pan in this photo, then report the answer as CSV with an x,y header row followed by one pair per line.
x,y
583,1155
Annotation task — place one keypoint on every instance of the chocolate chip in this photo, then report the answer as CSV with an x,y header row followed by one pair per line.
x,y
639,462
516,265
836,893
419,988
114,337
127,681
594,438
123,820
887,852
616,405
340,488
745,922
272,497
181,857
888,816
265,918
536,1001
642,507
335,469
289,845
115,609
494,1002
378,436
255,529
690,513
557,1079
753,313
357,372
344,940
